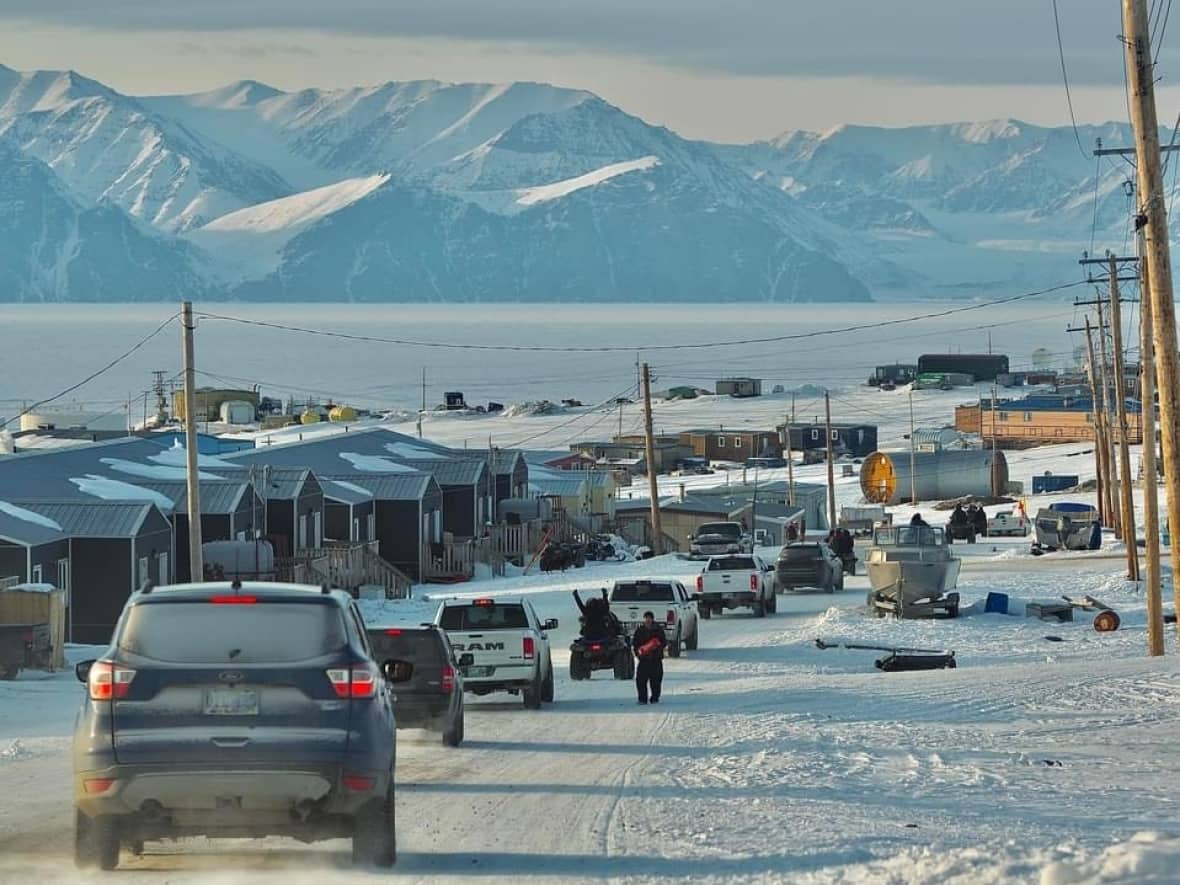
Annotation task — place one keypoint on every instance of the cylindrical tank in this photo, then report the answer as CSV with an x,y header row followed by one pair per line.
x,y
237,412
342,414
885,476
309,417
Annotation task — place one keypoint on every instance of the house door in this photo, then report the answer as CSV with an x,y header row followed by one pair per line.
x,y
301,538
163,566
317,528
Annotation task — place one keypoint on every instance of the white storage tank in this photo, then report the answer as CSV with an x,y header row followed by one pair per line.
x,y
237,412
949,473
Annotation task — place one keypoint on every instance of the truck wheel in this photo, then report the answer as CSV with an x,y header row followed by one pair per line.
x,y
374,836
674,646
759,609
704,611
96,842
531,696
623,665
691,642
547,685
772,604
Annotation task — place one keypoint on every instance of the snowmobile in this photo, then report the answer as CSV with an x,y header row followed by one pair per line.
x,y
603,644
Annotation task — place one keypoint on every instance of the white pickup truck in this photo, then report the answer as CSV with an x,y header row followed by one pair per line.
x,y
667,600
738,580
509,645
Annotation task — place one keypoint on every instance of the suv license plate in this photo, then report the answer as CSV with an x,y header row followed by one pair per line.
x,y
477,672
231,702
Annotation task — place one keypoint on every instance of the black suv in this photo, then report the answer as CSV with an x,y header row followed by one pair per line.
x,y
429,692
235,710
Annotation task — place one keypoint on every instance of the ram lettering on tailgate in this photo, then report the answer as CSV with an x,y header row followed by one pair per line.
x,y
479,646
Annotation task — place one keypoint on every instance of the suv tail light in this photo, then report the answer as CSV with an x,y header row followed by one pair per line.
x,y
671,617
700,583
109,681
528,647
357,681
448,678
753,582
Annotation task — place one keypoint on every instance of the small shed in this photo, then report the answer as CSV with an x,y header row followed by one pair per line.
x,y
38,604
740,387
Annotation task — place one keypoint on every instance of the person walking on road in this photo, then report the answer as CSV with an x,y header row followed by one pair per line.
x,y
648,644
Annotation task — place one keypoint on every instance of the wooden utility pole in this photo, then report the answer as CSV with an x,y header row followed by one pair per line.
x,y
995,480
1152,585
422,410
1120,392
831,462
657,531
790,463
1154,223
913,456
1112,486
1099,438
191,450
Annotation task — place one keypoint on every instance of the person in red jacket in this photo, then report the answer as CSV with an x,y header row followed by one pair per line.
x,y
649,643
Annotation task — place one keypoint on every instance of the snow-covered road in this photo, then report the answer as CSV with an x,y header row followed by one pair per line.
x,y
768,760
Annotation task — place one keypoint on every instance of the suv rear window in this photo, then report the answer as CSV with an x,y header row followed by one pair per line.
x,y
728,529
645,592
416,646
204,633
732,564
802,553
484,617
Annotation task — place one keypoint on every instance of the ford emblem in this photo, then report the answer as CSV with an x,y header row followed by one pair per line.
x,y
231,676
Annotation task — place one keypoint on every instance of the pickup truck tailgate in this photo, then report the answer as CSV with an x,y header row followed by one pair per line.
x,y
497,636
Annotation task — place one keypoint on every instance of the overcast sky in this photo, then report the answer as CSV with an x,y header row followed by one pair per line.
x,y
723,69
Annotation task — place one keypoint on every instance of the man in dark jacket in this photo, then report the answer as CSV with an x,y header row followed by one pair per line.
x,y
648,643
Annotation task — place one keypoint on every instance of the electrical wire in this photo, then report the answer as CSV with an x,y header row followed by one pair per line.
x,y
1065,79
142,341
1162,30
610,400
616,348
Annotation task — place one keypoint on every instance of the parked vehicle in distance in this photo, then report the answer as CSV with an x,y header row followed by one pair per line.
x,y
809,565
1009,523
246,709
508,643
24,647
766,462
716,538
431,694
667,600
862,520
736,581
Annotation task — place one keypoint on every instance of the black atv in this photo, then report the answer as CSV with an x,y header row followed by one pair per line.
x,y
588,654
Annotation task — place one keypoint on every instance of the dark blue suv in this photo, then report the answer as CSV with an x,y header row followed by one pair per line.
x,y
238,710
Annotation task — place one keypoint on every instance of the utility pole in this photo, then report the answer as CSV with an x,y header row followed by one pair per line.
x,y
831,462
1120,392
161,399
913,456
1112,487
1154,223
657,531
196,563
1100,448
995,461
422,411
790,463
1153,586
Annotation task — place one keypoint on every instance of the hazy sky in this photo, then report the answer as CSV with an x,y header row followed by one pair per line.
x,y
723,69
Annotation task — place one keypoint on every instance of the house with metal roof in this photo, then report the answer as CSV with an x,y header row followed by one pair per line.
x,y
115,547
33,549
230,511
349,511
294,503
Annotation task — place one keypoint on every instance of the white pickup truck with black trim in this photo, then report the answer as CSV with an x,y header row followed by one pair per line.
x,y
667,600
738,580
509,645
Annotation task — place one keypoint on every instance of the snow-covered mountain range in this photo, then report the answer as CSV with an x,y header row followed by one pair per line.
x,y
426,191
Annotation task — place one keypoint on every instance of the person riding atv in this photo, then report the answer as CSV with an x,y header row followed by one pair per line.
x,y
602,643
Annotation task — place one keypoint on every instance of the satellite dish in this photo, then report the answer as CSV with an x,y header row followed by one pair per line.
x,y
1042,358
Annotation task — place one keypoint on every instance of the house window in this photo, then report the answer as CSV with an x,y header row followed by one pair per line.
x,y
721,442
142,574
815,434
835,436
36,576
1003,416
737,442
301,539
63,575
317,528
1028,416
1089,418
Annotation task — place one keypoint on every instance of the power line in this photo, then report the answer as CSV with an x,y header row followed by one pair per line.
x,y
1065,79
1162,30
142,341
608,401
615,348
